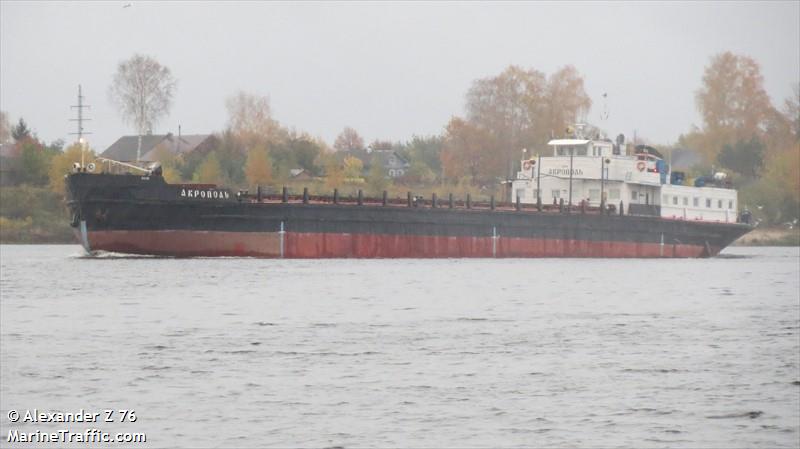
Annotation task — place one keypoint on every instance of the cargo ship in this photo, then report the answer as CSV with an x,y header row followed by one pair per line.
x,y
588,198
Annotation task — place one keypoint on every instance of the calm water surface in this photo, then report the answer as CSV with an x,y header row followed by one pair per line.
x,y
419,353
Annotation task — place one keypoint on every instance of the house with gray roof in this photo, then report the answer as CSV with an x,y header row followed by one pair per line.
x,y
124,149
394,165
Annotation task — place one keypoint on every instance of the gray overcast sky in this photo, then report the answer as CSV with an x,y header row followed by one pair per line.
x,y
389,70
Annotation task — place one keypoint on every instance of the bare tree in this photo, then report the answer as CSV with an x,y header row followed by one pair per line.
x,y
142,90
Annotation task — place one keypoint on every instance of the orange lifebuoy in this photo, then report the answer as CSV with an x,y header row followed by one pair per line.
x,y
640,165
526,165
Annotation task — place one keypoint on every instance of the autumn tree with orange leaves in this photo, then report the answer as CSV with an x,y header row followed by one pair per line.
x,y
348,140
519,108
744,133
732,102
469,151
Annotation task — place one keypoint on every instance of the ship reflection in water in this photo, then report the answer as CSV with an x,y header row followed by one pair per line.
x,y
420,353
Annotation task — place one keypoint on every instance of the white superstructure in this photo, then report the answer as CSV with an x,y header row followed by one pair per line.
x,y
602,173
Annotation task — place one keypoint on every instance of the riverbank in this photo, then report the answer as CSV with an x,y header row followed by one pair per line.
x,y
33,215
770,237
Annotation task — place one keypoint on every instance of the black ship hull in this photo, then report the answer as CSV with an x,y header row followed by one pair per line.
x,y
144,215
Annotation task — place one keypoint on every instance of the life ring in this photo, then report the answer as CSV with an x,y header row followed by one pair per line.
x,y
640,165
526,165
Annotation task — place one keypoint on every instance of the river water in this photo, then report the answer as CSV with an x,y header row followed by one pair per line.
x,y
414,353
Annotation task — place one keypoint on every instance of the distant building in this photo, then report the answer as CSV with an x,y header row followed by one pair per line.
x,y
300,174
124,149
394,165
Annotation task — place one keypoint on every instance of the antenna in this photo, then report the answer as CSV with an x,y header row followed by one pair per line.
x,y
604,114
80,118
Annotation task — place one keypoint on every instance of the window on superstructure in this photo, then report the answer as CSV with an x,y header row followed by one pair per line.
x,y
696,202
520,193
581,151
613,194
665,199
594,195
634,195
686,201
719,204
675,200
730,204
708,203
556,193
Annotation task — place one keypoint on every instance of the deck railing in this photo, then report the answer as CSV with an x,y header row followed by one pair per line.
x,y
417,201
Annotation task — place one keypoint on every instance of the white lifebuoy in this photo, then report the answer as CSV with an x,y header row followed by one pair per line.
x,y
640,165
526,165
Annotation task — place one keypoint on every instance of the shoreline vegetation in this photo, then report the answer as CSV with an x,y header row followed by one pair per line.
x,y
33,215
770,236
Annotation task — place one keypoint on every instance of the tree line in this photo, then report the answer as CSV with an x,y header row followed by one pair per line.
x,y
753,139
742,132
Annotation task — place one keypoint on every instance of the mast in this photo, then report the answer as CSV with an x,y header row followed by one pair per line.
x,y
80,107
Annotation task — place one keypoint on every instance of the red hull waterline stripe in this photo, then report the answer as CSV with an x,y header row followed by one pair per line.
x,y
320,245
